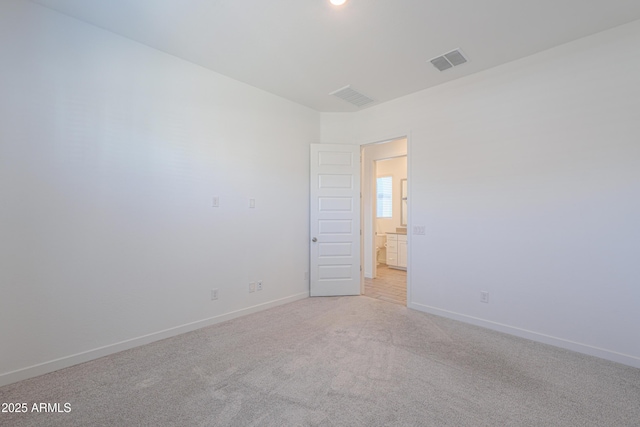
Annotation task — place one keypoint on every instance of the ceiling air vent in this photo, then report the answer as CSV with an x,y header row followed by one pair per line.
x,y
449,60
352,96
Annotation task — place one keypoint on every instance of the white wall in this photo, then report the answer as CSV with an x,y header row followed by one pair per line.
x,y
527,178
110,153
370,154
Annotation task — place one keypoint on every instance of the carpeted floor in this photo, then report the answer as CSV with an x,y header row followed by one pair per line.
x,y
348,361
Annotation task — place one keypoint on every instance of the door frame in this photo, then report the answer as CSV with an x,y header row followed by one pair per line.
x,y
380,140
374,209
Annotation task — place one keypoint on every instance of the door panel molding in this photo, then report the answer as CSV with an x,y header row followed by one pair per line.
x,y
335,220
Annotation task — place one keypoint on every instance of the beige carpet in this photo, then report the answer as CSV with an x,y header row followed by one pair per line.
x,y
349,361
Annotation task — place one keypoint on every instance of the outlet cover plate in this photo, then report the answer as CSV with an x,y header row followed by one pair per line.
x,y
484,297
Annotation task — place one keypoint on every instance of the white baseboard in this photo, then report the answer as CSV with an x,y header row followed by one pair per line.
x,y
602,353
85,356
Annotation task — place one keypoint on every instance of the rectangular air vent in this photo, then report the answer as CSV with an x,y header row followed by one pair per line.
x,y
449,60
352,96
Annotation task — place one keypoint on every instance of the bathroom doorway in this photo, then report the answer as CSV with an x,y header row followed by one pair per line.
x,y
385,219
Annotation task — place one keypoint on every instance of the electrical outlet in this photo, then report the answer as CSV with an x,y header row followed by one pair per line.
x,y
214,294
215,202
252,287
484,297
259,285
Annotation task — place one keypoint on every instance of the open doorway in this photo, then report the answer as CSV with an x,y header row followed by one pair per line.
x,y
385,220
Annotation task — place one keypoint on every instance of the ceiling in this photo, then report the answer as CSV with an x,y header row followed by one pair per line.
x,y
304,49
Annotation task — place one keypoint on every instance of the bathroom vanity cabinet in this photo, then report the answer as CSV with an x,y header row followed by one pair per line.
x,y
397,250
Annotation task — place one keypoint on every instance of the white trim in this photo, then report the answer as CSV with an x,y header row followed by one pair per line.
x,y
531,335
85,356
409,218
386,137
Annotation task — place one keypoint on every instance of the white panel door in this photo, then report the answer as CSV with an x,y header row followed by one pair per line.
x,y
335,220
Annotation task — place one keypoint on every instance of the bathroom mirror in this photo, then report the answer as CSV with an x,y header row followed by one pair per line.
x,y
403,206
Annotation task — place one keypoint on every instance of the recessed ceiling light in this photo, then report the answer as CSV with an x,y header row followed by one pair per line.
x,y
338,2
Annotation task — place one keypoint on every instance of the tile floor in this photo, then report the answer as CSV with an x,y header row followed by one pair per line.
x,y
390,285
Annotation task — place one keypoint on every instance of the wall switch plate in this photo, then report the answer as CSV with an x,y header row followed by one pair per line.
x,y
484,297
252,203
214,294
418,230
215,202
252,287
259,285
306,275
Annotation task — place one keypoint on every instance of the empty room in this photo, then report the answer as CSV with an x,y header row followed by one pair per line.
x,y
319,213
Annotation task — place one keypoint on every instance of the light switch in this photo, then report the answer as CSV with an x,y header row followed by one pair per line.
x,y
418,230
252,203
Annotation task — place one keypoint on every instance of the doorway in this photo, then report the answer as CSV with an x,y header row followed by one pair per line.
x,y
385,220
343,232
